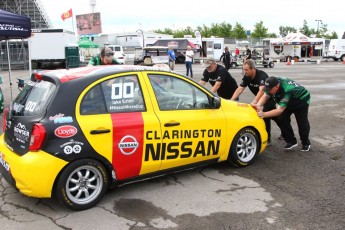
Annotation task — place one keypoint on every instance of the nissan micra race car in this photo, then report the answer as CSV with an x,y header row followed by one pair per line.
x,y
75,133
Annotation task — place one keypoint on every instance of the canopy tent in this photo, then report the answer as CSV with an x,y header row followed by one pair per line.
x,y
86,43
297,39
13,26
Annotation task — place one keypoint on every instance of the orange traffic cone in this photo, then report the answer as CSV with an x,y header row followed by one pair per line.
x,y
343,60
288,61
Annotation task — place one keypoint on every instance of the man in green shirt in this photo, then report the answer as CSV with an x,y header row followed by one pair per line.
x,y
106,57
292,98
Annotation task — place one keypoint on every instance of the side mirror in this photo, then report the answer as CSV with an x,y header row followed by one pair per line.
x,y
215,103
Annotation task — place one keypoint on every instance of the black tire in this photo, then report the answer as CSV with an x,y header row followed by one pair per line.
x,y
335,59
342,58
80,193
233,65
265,66
271,65
244,148
180,59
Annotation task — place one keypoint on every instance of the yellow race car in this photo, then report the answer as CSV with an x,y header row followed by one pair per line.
x,y
75,133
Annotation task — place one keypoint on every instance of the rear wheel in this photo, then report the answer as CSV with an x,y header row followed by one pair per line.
x,y
342,58
233,65
244,148
82,184
271,65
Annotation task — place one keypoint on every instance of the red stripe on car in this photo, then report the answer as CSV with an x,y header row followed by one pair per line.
x,y
128,136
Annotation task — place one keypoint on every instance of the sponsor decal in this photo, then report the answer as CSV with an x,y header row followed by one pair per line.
x,y
17,107
61,119
128,145
21,133
65,131
72,147
187,149
3,162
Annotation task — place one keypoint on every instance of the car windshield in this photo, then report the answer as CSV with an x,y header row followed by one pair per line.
x,y
33,99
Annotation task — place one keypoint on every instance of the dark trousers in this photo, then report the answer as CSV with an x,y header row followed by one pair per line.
x,y
189,68
270,105
301,115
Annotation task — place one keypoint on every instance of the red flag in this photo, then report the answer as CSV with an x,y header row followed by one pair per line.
x,y
66,15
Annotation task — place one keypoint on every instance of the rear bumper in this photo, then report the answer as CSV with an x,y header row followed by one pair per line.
x,y
33,174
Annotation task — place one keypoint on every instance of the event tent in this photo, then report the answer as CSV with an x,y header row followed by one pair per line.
x,y
13,26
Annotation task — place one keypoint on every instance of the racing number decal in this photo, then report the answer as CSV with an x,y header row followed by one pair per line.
x,y
128,136
122,90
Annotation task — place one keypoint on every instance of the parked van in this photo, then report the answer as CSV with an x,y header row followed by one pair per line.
x,y
118,53
336,49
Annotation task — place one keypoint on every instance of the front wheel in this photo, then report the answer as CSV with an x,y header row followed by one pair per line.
x,y
233,65
271,65
244,148
82,184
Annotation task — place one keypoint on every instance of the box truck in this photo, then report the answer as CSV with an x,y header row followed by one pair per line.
x,y
53,48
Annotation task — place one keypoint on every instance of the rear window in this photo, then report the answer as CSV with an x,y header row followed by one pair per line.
x,y
33,99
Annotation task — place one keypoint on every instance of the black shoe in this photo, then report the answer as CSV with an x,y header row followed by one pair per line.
x,y
305,148
290,145
281,137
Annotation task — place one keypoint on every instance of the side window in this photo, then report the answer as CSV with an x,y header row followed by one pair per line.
x,y
176,94
123,94
93,102
217,46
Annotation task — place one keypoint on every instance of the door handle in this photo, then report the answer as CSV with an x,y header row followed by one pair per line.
x,y
171,124
99,131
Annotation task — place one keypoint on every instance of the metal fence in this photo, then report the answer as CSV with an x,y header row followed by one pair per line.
x,y
18,53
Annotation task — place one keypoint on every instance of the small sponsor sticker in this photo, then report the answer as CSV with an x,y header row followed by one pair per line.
x,y
65,131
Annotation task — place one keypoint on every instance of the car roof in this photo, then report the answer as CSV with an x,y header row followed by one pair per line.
x,y
66,75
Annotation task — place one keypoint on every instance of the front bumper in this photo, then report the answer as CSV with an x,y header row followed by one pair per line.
x,y
33,174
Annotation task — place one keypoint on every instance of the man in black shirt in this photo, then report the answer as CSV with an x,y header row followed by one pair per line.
x,y
255,80
221,80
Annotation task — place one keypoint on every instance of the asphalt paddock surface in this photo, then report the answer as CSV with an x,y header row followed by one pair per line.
x,y
280,190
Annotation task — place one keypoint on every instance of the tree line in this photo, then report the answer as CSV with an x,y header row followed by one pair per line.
x,y
226,30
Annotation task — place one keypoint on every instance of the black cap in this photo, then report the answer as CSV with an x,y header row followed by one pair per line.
x,y
270,83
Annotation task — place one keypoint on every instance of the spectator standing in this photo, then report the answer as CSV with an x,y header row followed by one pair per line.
x,y
226,58
248,54
172,57
237,52
292,98
189,61
106,57
255,80
221,80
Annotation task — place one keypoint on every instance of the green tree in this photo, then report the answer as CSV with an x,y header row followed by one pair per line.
x,y
259,31
305,29
333,35
238,32
285,30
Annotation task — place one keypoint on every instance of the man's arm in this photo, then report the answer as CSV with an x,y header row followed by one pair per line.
x,y
271,113
259,94
237,93
216,86
201,82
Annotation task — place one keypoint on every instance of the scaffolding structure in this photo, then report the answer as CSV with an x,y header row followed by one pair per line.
x,y
18,48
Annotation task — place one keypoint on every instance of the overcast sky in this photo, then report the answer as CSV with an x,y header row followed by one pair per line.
x,y
131,15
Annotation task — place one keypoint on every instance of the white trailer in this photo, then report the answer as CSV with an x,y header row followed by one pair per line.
x,y
53,47
336,49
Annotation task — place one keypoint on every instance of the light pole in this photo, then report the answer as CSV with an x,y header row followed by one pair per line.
x,y
318,21
142,35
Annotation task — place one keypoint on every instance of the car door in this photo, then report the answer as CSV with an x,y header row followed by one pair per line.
x,y
191,130
116,116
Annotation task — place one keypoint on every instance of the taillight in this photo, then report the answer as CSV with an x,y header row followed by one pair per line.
x,y
4,119
38,136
